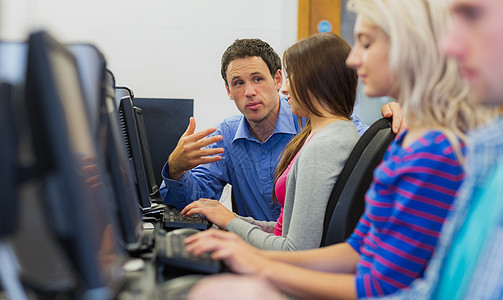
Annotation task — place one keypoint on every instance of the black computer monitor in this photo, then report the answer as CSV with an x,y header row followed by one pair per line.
x,y
123,97
128,208
70,167
92,69
147,159
99,89
8,163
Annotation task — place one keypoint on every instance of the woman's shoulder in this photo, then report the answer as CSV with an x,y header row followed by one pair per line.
x,y
430,145
431,140
337,131
340,134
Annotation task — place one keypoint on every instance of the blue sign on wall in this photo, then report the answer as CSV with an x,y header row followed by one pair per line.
x,y
324,26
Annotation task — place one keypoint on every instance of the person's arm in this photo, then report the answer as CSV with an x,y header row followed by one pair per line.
x,y
361,127
265,226
213,210
204,181
220,216
338,258
296,273
191,151
308,284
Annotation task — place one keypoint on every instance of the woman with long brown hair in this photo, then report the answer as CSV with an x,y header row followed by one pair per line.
x,y
322,90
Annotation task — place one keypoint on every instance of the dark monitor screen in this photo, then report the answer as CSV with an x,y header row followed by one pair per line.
x,y
147,159
92,69
99,90
120,171
8,162
123,97
70,166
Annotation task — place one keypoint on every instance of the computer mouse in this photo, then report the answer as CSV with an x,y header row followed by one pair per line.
x,y
134,265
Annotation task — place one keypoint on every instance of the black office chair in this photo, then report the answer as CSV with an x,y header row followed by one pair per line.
x,y
346,203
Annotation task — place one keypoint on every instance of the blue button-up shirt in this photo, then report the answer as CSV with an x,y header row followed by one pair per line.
x,y
247,164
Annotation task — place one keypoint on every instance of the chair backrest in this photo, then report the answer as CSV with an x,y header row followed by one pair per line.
x,y
347,203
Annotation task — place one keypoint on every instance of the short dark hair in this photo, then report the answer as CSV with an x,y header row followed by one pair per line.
x,y
242,48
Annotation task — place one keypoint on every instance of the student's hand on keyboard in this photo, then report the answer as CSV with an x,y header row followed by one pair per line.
x,y
239,256
213,210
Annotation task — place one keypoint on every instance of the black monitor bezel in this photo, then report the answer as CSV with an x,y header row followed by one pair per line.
x,y
69,219
8,162
126,197
127,118
147,158
99,84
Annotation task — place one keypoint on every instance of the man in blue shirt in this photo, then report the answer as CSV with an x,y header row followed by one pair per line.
x,y
242,150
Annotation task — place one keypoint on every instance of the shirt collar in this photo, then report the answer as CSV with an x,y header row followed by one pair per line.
x,y
286,123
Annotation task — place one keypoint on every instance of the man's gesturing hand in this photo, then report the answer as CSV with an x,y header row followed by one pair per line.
x,y
188,153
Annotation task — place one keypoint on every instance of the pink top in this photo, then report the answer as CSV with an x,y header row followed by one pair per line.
x,y
280,191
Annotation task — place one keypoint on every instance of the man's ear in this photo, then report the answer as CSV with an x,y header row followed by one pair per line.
x,y
228,92
278,80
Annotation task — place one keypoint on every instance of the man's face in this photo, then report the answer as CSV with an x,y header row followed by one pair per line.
x,y
476,41
253,89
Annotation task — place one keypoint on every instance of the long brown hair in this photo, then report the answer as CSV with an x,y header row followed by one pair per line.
x,y
316,68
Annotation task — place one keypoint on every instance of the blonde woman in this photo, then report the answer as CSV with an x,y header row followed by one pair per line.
x,y
396,54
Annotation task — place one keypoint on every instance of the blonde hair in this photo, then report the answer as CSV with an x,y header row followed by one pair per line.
x,y
429,85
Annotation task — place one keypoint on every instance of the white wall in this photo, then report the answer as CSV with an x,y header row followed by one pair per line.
x,y
160,48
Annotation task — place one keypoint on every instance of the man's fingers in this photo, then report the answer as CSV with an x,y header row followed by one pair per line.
x,y
209,140
210,151
204,155
192,144
191,128
207,160
194,137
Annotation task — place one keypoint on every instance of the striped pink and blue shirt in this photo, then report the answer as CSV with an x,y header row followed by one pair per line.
x,y
406,205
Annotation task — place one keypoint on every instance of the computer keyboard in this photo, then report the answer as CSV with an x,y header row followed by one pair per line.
x,y
172,219
156,211
170,251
